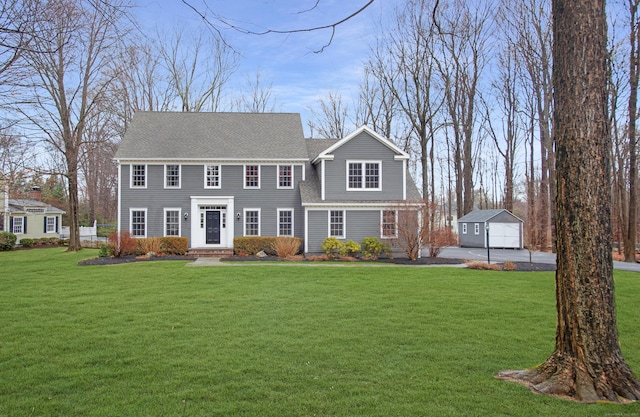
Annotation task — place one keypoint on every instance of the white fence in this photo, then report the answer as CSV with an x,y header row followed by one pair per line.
x,y
86,233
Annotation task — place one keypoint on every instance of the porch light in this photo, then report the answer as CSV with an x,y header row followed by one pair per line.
x,y
186,216
238,216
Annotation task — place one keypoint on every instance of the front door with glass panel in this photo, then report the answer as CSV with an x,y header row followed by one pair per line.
x,y
213,227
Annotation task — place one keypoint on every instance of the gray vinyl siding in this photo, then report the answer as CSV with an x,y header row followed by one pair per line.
x,y
363,148
358,225
470,239
155,198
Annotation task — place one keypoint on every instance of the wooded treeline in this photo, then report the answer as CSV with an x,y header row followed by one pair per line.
x,y
465,88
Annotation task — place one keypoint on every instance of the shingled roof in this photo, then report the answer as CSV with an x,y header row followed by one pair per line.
x,y
223,136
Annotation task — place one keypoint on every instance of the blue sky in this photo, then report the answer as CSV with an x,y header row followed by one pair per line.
x,y
299,77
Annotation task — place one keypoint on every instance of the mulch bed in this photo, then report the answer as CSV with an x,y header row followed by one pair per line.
x,y
131,258
520,266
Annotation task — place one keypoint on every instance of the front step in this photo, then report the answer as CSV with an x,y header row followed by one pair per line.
x,y
209,253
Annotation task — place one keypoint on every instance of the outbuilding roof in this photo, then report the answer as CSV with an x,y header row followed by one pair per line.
x,y
221,136
481,216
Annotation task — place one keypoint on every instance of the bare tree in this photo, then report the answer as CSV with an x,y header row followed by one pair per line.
x,y
258,97
138,84
506,137
16,157
587,364
331,121
634,74
71,81
199,68
464,34
404,62
528,24
17,31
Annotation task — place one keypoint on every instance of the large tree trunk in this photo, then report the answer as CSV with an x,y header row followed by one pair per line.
x,y
587,364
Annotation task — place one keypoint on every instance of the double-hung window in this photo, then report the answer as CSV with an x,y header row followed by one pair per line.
x,y
252,176
172,176
18,225
138,225
476,228
50,224
285,176
212,176
389,224
464,228
172,222
336,223
138,176
285,222
252,222
363,176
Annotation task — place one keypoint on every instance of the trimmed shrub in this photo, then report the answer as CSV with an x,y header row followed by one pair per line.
x,y
333,247
286,247
7,241
352,248
128,244
106,251
26,242
373,248
483,266
251,245
174,245
148,245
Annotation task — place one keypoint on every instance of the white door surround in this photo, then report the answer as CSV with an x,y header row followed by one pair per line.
x,y
199,208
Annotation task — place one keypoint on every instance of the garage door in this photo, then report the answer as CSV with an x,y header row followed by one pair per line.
x,y
504,235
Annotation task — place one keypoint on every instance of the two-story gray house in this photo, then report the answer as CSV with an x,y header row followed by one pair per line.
x,y
211,177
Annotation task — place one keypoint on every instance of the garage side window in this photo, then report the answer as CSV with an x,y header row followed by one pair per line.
x,y
464,228
477,228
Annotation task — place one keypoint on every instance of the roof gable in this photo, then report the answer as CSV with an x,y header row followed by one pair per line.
x,y
206,135
327,153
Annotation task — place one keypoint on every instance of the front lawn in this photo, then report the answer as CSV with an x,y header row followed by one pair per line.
x,y
162,339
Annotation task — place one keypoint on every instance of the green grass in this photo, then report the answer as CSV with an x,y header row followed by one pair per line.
x,y
162,339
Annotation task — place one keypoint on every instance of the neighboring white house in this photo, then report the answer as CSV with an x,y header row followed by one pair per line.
x,y
29,217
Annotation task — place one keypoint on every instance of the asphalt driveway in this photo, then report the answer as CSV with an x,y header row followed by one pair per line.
x,y
514,255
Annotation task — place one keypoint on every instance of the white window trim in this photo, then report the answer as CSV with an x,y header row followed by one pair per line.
x,y
382,235
244,221
464,228
278,176
164,220
13,227
344,224
146,176
54,224
146,221
244,183
219,186
174,187
476,228
364,174
292,221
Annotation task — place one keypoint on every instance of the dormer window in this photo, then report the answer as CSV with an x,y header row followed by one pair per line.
x,y
363,176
